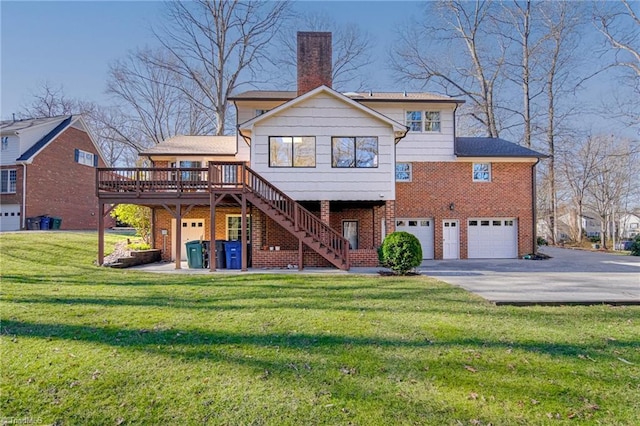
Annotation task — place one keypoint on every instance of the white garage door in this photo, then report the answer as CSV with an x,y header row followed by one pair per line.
x,y
422,229
10,217
492,238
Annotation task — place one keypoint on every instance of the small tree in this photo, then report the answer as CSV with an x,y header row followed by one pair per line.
x,y
139,217
635,247
401,252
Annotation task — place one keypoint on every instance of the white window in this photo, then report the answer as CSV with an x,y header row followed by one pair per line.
x,y
8,181
86,158
423,121
234,227
482,172
403,172
634,225
5,143
350,232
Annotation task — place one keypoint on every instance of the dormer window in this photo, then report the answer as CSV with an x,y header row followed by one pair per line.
x,y
423,121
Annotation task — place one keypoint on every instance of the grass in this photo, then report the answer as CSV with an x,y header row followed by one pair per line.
x,y
88,345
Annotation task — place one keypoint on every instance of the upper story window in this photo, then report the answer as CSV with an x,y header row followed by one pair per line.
x,y
292,151
5,143
403,172
86,158
360,152
8,181
482,172
423,121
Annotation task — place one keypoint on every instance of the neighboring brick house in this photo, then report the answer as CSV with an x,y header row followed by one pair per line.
x,y
48,168
331,174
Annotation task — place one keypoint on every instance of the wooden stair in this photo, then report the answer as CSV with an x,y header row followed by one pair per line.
x,y
300,222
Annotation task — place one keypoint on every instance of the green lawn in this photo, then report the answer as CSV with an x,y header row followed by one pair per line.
x,y
88,345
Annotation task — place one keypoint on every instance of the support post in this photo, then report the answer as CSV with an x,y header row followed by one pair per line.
x,y
178,242
300,255
100,233
213,257
243,239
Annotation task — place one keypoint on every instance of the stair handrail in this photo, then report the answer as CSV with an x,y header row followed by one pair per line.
x,y
297,214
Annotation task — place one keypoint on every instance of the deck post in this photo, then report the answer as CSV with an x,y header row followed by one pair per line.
x,y
177,243
213,256
100,233
300,255
243,239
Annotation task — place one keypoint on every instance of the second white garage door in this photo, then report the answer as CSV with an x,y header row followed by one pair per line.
x,y
10,217
422,229
492,238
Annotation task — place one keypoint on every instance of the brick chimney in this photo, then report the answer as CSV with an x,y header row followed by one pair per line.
x,y
314,61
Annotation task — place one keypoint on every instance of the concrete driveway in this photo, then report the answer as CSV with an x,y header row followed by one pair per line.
x,y
569,277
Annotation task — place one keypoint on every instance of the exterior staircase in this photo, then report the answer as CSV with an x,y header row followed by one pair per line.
x,y
300,222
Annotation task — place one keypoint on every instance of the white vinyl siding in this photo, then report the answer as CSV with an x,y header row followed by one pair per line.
x,y
324,117
10,150
421,146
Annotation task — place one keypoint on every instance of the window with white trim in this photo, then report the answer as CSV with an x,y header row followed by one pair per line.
x,y
357,152
5,143
86,158
234,227
423,121
8,181
482,172
403,172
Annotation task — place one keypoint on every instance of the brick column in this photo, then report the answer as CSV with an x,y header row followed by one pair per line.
x,y
390,216
325,212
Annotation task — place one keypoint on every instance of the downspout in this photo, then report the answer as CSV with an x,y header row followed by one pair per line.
x,y
24,195
534,225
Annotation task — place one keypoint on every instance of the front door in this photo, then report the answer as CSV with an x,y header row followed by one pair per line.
x,y
450,239
192,229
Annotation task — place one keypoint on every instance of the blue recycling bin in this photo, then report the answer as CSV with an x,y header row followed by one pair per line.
x,y
45,222
233,251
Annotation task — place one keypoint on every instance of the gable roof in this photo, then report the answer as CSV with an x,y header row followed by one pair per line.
x,y
15,126
492,147
38,146
276,95
397,127
195,145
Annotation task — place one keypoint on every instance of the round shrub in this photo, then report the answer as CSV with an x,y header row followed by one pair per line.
x,y
401,252
635,247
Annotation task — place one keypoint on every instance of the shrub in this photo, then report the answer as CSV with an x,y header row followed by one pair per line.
x,y
595,239
542,242
635,247
137,245
137,216
401,252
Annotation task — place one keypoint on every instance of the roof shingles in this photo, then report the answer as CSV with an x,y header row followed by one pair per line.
x,y
492,147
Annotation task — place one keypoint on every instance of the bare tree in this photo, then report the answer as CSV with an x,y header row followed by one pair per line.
x,y
459,26
48,101
153,98
614,183
578,169
351,50
219,45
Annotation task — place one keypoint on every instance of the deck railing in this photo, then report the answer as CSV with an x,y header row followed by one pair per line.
x,y
219,177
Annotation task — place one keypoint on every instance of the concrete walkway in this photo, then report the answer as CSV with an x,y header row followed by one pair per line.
x,y
569,277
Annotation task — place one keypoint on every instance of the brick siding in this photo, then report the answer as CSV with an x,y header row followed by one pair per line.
x,y
58,186
435,186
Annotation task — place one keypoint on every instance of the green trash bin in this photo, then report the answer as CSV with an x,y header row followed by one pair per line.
x,y
56,222
195,254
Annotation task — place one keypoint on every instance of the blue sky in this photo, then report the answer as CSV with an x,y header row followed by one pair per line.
x,y
72,43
